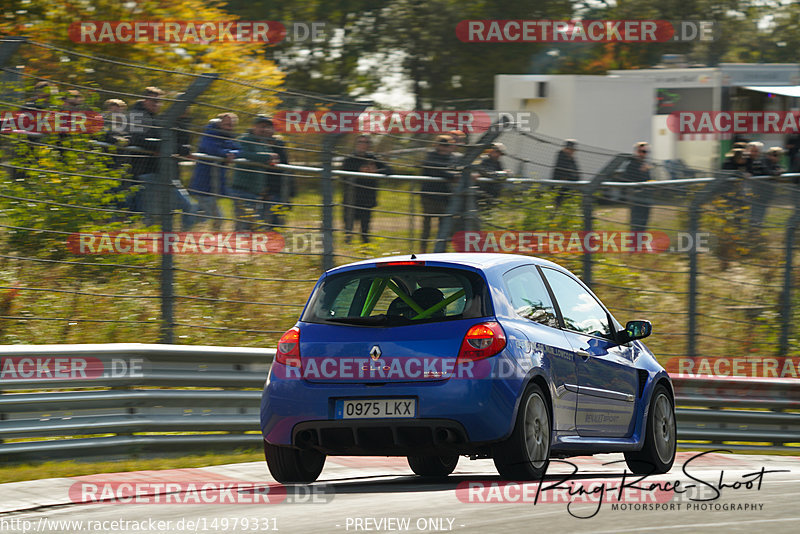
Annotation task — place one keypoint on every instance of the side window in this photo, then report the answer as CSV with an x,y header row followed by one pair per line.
x,y
529,296
581,311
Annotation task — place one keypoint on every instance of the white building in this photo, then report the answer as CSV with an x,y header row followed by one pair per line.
x,y
625,106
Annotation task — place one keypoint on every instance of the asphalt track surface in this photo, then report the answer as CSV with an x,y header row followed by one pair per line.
x,y
723,492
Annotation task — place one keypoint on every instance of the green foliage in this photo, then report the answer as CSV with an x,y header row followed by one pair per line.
x,y
53,183
547,209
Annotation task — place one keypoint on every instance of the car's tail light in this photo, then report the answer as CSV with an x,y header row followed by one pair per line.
x,y
482,341
288,352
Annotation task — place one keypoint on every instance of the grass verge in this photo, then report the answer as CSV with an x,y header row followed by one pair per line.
x,y
71,468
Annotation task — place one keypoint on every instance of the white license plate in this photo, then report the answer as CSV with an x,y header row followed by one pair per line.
x,y
375,408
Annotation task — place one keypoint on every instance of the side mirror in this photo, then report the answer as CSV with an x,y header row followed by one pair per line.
x,y
635,330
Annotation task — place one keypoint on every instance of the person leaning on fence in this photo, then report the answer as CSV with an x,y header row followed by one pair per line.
x,y
145,156
115,127
146,139
756,164
361,193
764,190
43,93
733,192
438,163
566,168
638,170
459,143
249,184
209,176
279,185
491,168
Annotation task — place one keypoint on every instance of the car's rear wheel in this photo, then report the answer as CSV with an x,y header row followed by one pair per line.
x,y
433,466
658,453
290,465
526,453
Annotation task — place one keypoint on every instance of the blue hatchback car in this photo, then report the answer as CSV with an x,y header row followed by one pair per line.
x,y
441,355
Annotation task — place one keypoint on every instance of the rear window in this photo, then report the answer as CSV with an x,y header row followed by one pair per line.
x,y
394,296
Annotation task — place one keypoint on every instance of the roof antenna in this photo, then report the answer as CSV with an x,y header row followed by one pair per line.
x,y
413,256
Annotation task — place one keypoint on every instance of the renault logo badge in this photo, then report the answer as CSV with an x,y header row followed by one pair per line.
x,y
375,353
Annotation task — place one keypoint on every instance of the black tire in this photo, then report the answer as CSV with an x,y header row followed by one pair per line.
x,y
433,466
289,465
525,455
660,443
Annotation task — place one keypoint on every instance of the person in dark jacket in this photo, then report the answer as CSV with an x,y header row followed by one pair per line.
x,y
638,170
764,190
361,193
145,139
145,135
250,181
439,163
491,168
566,168
756,166
280,187
218,140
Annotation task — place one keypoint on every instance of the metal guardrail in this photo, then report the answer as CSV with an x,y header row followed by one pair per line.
x,y
119,400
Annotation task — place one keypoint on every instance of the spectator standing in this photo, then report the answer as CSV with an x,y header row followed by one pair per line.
x,y
765,189
566,168
145,128
73,101
43,93
146,138
491,168
279,184
732,195
638,170
218,140
115,123
361,193
439,163
756,165
249,185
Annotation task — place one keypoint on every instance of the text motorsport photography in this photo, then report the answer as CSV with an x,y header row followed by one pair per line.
x,y
585,495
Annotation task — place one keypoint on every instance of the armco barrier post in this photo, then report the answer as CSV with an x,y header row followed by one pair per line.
x,y
168,174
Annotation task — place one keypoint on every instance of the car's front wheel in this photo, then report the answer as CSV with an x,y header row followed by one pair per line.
x,y
289,465
433,466
526,453
658,453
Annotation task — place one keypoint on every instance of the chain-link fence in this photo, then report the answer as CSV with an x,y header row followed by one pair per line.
x,y
86,217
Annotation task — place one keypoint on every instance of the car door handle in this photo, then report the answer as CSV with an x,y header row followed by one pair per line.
x,y
583,354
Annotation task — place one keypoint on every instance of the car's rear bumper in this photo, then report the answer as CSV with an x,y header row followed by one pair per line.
x,y
454,414
383,437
